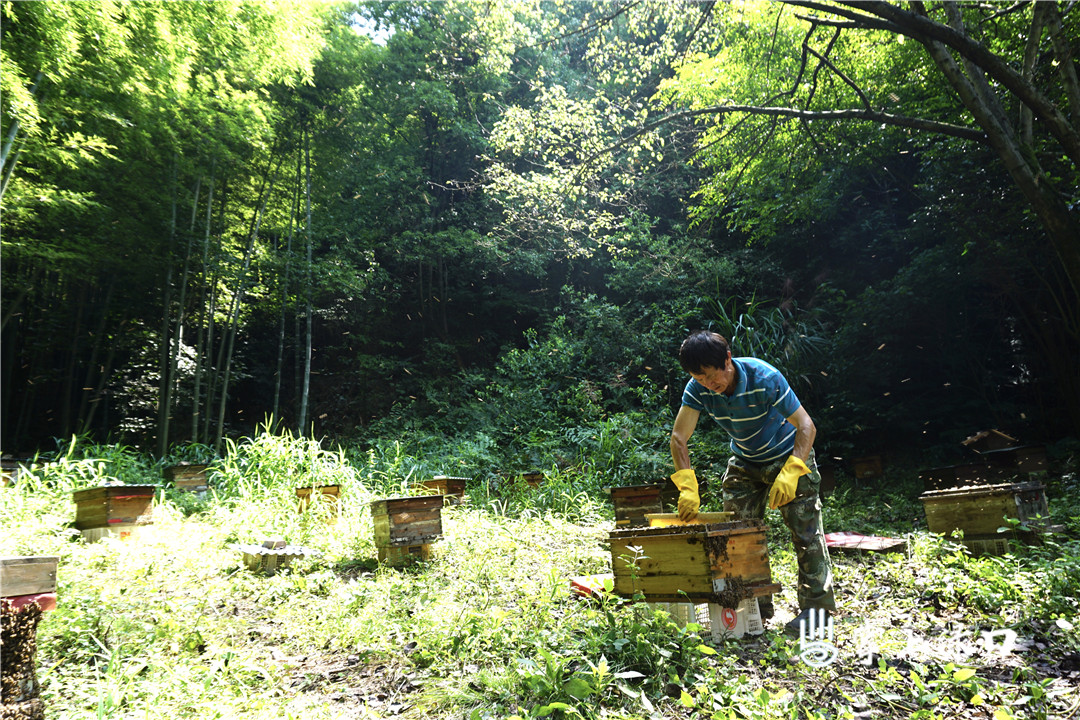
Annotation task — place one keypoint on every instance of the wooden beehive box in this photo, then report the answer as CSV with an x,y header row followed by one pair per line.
x,y
722,563
328,494
190,477
633,502
111,505
404,525
533,478
445,485
981,510
1017,462
9,472
29,575
669,494
867,467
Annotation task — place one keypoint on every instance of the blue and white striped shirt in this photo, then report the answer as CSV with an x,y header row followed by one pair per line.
x,y
755,415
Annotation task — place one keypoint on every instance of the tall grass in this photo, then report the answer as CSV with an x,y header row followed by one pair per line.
x,y
172,625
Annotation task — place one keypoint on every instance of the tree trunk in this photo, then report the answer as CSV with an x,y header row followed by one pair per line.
x,y
212,379
199,324
229,344
294,211
1062,230
302,424
165,341
67,393
9,160
95,377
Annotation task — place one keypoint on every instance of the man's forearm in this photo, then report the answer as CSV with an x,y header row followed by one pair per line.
x,y
680,453
805,432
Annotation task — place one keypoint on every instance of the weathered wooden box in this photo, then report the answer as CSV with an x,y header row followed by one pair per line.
x,y
27,589
190,477
28,575
722,563
865,468
328,495
110,505
981,510
404,523
9,472
533,478
445,485
1019,462
633,502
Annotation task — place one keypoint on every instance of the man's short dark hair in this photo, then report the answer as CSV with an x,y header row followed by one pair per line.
x,y
703,349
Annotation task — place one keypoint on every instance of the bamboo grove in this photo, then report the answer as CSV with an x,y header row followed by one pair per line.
x,y
354,217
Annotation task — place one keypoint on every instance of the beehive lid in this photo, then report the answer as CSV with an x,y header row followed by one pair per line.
x,y
974,491
27,575
734,527
673,520
113,491
989,440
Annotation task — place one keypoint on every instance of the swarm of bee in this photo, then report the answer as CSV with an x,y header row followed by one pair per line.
x,y
19,687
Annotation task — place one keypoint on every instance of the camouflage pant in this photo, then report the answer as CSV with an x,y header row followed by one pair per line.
x,y
746,493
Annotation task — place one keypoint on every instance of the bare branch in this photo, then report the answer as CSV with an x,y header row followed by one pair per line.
x,y
865,114
1066,64
1031,54
925,30
839,73
1015,7
619,10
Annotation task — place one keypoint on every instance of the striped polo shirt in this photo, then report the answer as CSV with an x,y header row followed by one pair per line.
x,y
755,414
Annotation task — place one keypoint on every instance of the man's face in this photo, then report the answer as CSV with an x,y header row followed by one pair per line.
x,y
715,378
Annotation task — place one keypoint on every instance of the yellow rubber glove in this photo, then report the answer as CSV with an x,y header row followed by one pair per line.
x,y
689,502
787,482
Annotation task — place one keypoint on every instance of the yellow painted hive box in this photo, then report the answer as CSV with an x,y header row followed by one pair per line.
x,y
982,510
723,563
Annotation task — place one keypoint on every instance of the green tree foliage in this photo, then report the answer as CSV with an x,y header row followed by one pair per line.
x,y
498,220
115,109
801,104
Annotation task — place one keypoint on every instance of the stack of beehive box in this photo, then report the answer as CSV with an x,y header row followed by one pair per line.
x,y
451,488
405,527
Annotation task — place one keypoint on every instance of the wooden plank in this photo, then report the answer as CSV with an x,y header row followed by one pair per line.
x,y
863,543
28,575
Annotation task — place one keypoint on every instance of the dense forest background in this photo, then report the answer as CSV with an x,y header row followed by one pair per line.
x,y
496,221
